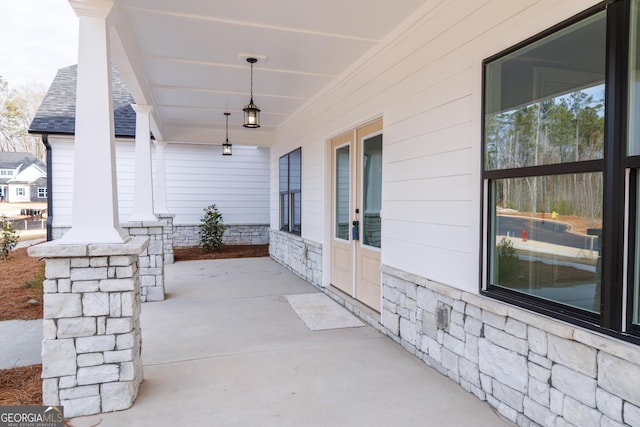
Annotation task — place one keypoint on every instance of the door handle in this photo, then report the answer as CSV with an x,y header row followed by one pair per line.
x,y
355,230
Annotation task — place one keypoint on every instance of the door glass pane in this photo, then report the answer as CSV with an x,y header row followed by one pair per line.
x,y
371,190
544,103
343,174
545,238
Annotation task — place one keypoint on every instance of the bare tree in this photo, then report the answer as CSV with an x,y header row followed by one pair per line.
x,y
17,109
564,129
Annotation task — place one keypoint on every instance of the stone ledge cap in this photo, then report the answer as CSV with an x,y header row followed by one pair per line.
x,y
141,224
133,246
286,233
55,249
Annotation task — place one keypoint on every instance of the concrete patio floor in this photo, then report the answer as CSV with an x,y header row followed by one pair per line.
x,y
226,349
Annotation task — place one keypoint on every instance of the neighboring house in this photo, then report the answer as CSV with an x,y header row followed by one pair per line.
x,y
196,175
23,178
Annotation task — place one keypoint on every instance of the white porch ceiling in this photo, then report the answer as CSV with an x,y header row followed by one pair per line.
x,y
188,58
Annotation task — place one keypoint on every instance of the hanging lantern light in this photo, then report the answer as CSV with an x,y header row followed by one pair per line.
x,y
251,110
226,147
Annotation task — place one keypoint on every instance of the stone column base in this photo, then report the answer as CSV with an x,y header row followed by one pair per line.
x,y
91,351
151,261
167,239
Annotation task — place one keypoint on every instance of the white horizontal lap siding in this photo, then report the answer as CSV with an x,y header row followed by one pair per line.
x,y
198,176
274,189
62,176
125,172
313,191
426,81
437,213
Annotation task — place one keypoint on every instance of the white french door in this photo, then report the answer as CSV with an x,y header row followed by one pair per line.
x,y
356,203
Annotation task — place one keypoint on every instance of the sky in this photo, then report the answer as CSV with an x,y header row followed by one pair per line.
x,y
37,37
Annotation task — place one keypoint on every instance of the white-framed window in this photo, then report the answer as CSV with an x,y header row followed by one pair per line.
x,y
20,191
6,172
42,192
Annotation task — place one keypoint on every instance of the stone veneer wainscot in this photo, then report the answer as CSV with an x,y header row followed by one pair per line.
x,y
188,235
529,367
301,256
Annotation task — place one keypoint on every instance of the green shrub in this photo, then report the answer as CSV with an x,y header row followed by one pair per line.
x,y
211,229
508,261
8,239
564,207
36,285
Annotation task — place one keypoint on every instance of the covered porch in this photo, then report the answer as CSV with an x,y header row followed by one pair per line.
x,y
226,348
330,79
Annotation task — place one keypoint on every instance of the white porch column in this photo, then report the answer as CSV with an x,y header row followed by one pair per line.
x,y
95,197
143,190
160,200
160,183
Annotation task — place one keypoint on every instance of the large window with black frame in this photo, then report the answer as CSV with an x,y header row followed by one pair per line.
x,y
633,166
558,110
291,191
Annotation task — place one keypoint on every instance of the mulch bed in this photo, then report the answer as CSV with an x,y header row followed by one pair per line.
x,y
21,386
20,298
227,251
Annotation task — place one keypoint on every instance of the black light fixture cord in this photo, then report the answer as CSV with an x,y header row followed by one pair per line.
x,y
252,82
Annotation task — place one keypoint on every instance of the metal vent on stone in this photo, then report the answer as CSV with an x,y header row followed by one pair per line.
x,y
442,316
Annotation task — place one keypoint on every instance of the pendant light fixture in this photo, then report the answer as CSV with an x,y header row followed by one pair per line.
x,y
251,111
226,147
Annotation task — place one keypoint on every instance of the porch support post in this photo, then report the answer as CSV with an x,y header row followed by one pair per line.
x,y
143,190
160,183
95,198
160,200
92,342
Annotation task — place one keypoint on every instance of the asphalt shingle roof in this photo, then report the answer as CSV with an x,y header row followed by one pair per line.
x,y
11,160
57,113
